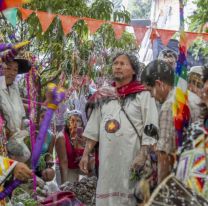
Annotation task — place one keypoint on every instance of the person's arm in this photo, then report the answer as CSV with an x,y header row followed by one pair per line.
x,y
9,166
62,156
91,133
166,144
84,162
51,145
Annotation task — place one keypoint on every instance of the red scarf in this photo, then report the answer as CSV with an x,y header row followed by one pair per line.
x,y
105,94
130,88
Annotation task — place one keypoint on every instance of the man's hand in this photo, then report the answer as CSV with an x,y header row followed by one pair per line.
x,y
84,163
22,172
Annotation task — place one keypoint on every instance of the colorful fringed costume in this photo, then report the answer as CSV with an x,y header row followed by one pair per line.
x,y
6,167
192,168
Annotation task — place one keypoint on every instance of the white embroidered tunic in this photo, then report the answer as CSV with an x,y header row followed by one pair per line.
x,y
119,144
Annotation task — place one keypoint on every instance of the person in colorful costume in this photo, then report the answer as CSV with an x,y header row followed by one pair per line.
x,y
9,167
193,164
120,137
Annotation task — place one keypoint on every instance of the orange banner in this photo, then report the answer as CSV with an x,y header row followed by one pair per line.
x,y
166,35
118,29
45,19
25,13
94,24
67,23
139,33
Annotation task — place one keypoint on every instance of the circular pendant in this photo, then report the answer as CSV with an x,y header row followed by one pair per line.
x,y
112,126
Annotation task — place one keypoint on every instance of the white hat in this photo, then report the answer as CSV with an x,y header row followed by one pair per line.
x,y
197,70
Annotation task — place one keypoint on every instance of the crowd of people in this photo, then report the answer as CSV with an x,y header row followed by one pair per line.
x,y
129,133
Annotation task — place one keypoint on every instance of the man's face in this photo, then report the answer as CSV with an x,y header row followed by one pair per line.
x,y
10,72
195,83
157,91
122,69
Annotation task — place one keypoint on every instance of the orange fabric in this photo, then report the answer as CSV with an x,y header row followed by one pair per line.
x,y
165,35
139,32
93,25
118,29
67,23
45,19
25,13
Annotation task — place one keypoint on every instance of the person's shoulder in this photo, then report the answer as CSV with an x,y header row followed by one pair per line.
x,y
144,93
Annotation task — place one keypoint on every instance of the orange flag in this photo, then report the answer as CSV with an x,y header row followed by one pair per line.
x,y
118,29
45,19
25,13
93,25
139,33
165,35
67,23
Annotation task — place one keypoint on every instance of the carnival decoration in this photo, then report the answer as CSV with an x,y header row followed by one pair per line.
x,y
180,107
93,24
57,95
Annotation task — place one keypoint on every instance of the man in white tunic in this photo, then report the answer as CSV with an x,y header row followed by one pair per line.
x,y
119,131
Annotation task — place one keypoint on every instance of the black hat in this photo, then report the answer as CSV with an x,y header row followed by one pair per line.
x,y
24,65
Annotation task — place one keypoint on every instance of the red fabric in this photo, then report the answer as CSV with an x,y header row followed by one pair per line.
x,y
105,93
73,154
131,88
139,33
25,13
62,198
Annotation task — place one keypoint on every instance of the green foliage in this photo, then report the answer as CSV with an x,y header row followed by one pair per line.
x,y
197,22
200,16
199,46
140,9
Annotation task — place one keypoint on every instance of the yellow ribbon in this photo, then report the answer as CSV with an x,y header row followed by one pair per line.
x,y
52,106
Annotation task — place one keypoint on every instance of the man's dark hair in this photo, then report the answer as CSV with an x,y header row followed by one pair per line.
x,y
157,70
133,61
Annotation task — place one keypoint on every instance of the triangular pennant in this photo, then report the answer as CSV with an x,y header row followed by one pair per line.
x,y
25,13
118,29
67,23
93,25
11,16
139,33
189,38
45,19
165,35
154,34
